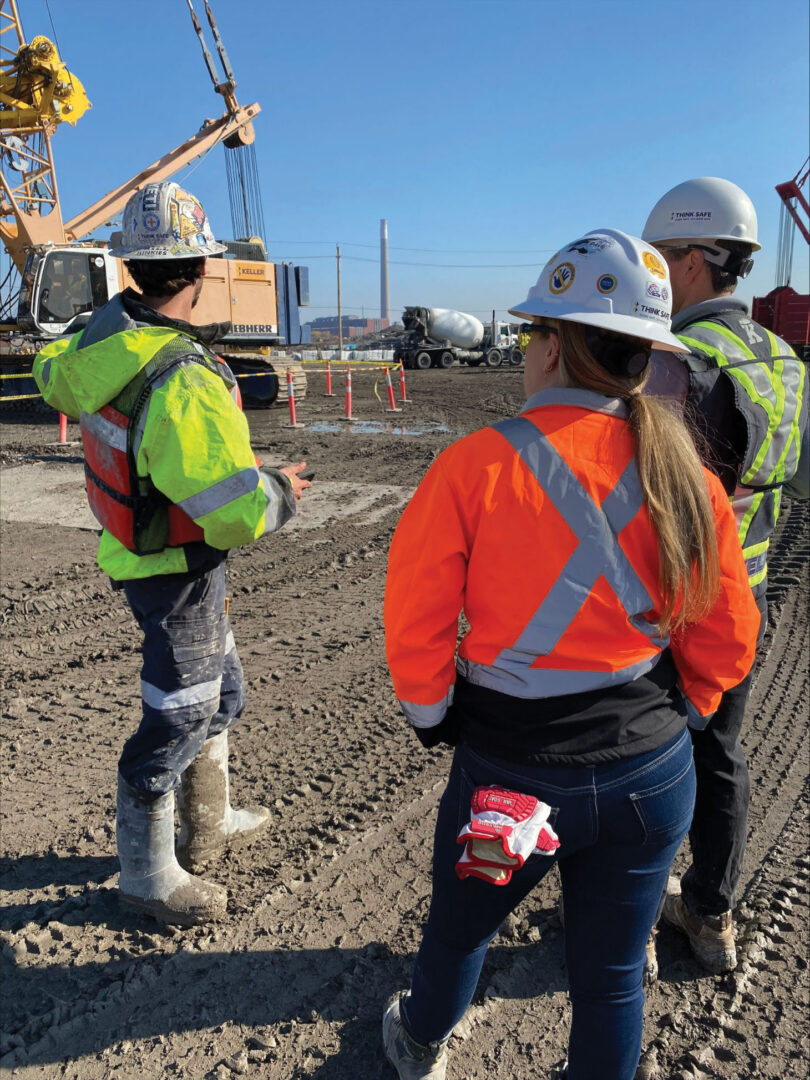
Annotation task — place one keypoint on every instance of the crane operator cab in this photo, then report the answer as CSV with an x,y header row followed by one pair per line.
x,y
59,283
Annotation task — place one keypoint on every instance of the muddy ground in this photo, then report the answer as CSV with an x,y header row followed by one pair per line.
x,y
325,913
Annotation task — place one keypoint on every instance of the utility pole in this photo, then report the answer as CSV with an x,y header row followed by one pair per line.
x,y
340,316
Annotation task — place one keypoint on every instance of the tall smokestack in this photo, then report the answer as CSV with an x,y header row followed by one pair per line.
x,y
385,307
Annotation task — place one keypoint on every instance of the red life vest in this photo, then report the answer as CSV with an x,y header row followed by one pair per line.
x,y
125,504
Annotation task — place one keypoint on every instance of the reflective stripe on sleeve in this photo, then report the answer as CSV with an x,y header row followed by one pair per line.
x,y
277,512
693,718
230,644
220,494
166,701
427,716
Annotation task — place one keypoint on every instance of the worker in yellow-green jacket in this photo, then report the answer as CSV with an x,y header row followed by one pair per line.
x,y
172,478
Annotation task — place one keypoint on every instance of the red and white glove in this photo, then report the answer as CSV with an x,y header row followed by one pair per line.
x,y
504,829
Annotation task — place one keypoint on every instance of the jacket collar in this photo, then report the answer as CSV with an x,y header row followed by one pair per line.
x,y
578,397
718,305
143,315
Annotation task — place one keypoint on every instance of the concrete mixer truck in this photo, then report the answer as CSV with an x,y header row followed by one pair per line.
x,y
437,337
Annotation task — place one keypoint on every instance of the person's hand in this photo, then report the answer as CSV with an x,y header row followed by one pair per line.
x,y
299,486
447,731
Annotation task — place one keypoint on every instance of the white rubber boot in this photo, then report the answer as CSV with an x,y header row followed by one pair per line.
x,y
151,880
208,822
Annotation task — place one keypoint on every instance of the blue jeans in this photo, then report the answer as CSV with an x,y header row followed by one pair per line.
x,y
620,826
192,685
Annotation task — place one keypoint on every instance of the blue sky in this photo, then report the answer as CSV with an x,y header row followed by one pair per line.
x,y
487,132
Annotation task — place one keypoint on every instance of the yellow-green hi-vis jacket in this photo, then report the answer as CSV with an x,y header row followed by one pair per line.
x,y
189,442
768,384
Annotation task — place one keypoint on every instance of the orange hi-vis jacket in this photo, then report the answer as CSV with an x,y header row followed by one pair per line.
x,y
538,529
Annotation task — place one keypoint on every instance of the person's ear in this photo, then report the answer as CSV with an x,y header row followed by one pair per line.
x,y
553,359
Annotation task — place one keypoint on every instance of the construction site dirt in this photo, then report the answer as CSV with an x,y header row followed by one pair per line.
x,y
325,912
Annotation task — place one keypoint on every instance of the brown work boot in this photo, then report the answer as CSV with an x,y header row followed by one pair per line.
x,y
711,938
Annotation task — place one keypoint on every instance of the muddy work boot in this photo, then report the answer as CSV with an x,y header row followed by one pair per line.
x,y
411,1059
151,880
711,938
208,823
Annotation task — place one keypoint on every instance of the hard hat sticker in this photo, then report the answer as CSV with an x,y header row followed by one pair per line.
x,y
654,264
690,215
561,277
588,244
661,314
660,292
606,283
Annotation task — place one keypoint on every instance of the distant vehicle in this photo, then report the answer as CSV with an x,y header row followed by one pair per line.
x,y
438,337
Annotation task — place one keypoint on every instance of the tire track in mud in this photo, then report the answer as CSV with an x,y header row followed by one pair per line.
x,y
325,915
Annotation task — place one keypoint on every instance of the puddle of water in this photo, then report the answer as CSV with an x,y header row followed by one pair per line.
x,y
374,427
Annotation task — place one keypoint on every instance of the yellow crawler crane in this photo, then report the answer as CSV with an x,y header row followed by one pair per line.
x,y
66,276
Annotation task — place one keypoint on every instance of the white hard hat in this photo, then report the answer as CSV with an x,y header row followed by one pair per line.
x,y
702,210
610,280
163,221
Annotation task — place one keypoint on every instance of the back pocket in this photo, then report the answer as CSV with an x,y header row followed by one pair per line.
x,y
667,807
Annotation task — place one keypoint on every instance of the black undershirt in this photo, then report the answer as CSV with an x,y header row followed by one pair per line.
x,y
587,728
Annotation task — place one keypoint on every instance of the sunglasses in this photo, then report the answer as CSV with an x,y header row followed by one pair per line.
x,y
536,328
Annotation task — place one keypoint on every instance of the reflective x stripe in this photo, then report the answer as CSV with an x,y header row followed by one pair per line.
x,y
105,431
166,701
598,554
221,493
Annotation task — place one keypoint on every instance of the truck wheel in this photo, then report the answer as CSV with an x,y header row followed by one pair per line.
x,y
494,358
423,360
446,360
515,357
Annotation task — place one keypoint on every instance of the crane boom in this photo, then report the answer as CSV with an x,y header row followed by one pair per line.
x,y
231,125
791,193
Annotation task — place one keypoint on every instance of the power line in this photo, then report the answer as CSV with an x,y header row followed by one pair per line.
x,y
429,265
429,251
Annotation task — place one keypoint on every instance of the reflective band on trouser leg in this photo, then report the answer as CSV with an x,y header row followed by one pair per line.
x,y
598,554
203,695
183,675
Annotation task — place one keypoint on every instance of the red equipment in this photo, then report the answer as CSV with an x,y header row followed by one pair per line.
x,y
783,310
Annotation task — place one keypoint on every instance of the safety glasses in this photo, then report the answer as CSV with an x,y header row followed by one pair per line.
x,y
537,328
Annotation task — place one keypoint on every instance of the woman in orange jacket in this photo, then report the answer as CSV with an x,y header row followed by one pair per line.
x,y
598,567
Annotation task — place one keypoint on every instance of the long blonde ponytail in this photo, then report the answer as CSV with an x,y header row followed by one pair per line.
x,y
672,480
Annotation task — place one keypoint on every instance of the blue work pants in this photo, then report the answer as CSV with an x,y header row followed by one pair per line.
x,y
192,686
620,826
